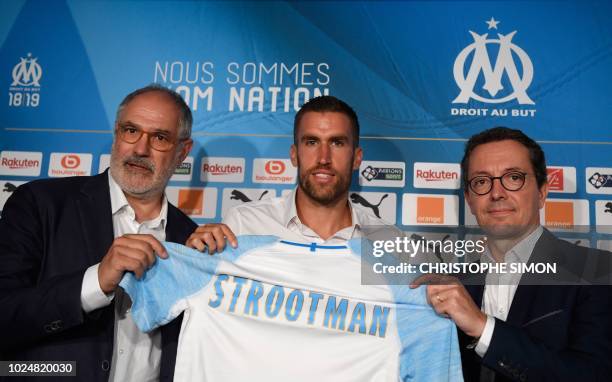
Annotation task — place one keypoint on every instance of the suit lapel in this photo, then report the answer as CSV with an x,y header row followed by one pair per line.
x,y
94,208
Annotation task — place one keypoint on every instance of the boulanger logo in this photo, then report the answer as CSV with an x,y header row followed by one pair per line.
x,y
20,163
382,174
274,167
599,180
25,88
69,164
222,169
70,161
483,74
279,171
437,175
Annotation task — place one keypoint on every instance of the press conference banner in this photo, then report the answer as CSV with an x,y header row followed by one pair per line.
x,y
422,76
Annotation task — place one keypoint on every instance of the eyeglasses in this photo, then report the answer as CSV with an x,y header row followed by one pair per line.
x,y
158,140
511,181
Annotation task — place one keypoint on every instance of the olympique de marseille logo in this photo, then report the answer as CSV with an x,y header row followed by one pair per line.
x,y
504,63
27,72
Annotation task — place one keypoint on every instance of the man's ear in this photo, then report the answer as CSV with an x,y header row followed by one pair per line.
x,y
357,158
293,155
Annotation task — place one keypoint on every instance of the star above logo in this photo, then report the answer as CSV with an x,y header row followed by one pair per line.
x,y
492,23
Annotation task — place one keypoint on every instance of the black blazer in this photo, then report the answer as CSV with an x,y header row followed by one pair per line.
x,y
51,231
553,332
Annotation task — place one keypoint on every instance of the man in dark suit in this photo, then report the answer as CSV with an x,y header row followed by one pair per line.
x,y
66,243
525,326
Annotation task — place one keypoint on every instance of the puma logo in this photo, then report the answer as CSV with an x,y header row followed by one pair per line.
x,y
10,187
608,207
237,195
358,199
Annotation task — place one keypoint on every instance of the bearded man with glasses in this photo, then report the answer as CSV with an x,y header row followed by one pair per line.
x,y
66,243
524,326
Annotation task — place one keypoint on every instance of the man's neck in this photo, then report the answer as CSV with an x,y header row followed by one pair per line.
x,y
145,208
324,220
499,247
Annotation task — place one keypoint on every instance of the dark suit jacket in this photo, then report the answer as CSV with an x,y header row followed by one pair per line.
x,y
51,231
553,332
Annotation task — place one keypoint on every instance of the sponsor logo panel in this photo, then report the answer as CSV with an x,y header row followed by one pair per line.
x,y
561,179
277,171
69,164
430,209
222,169
606,245
235,196
6,190
196,202
566,215
437,175
603,216
599,180
383,205
382,174
20,163
183,172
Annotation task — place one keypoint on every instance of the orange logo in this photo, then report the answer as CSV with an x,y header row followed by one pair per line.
x,y
559,214
70,161
275,167
430,210
191,202
555,179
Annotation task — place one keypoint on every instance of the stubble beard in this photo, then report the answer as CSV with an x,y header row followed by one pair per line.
x,y
324,195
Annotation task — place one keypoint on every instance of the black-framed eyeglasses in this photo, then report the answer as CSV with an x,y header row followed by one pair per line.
x,y
511,181
158,140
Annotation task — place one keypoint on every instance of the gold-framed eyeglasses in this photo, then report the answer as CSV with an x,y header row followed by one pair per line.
x,y
158,140
511,181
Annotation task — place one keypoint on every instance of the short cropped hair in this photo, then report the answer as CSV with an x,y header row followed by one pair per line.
x,y
496,134
325,104
185,116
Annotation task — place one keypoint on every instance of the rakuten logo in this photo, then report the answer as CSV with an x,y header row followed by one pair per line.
x,y
20,163
437,175
69,164
279,171
220,169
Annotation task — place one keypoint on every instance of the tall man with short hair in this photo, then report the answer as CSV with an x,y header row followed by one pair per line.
x,y
325,151
66,243
518,328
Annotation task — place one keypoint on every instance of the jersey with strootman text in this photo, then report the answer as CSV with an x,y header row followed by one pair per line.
x,y
272,310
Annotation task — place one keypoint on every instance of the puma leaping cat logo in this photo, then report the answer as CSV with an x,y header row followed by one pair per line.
x,y
356,198
237,195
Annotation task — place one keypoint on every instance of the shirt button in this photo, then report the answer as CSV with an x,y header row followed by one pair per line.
x,y
120,351
105,365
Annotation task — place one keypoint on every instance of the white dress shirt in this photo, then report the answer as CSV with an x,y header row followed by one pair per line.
x,y
500,288
136,355
278,216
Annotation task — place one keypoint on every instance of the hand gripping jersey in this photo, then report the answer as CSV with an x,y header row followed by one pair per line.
x,y
272,310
